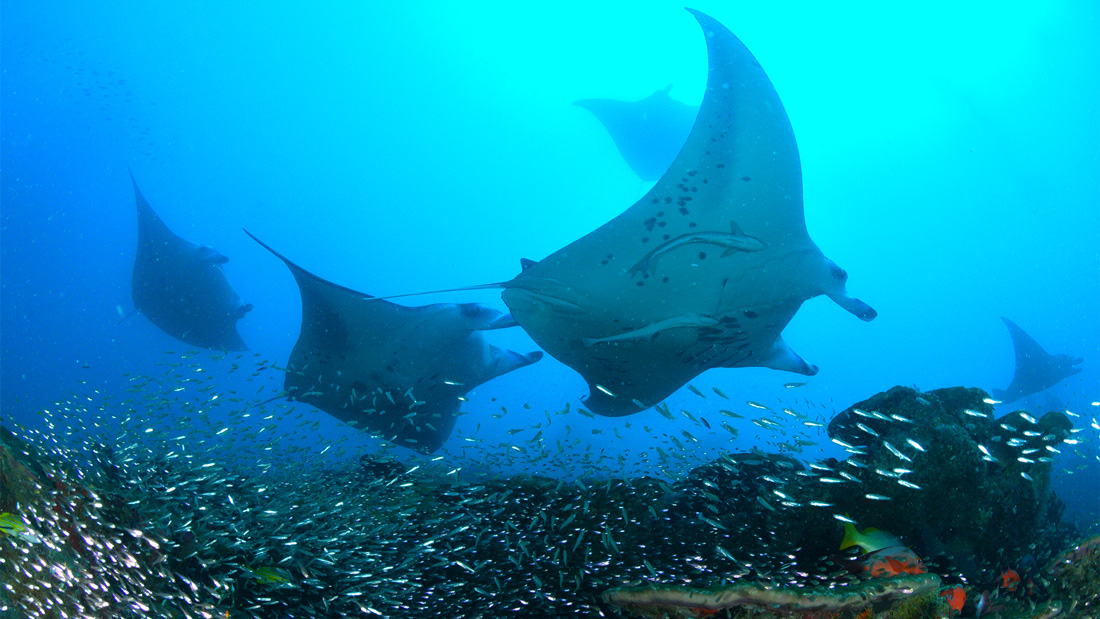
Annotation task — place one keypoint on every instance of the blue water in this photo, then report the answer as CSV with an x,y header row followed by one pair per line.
x,y
950,155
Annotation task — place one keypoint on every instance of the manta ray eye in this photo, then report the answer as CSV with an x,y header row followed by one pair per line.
x,y
839,274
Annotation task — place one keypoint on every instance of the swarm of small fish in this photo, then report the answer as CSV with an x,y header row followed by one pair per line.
x,y
178,501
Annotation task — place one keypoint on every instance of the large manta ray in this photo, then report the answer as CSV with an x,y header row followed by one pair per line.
x,y
401,372
180,286
648,133
1036,369
704,271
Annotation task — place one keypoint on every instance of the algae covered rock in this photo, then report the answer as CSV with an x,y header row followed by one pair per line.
x,y
904,405
962,484
757,599
936,470
61,529
1075,575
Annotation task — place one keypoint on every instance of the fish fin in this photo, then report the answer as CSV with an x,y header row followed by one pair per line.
x,y
854,306
851,536
781,357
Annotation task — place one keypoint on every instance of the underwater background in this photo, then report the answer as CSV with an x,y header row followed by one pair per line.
x,y
950,156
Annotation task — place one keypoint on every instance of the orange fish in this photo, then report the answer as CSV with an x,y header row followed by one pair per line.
x,y
885,555
892,561
956,597
1010,580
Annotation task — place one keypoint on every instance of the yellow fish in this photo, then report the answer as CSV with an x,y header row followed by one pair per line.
x,y
270,575
13,525
870,539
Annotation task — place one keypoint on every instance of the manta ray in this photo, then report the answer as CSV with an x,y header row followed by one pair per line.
x,y
180,286
1036,369
401,372
705,271
648,133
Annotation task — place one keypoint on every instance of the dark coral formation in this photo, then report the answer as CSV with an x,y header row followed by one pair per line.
x,y
1075,574
976,509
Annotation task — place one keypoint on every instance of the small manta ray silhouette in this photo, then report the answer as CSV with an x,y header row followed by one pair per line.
x,y
1036,369
648,133
180,286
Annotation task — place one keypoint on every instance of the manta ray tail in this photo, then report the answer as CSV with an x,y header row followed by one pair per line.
x,y
394,296
460,289
127,316
524,264
282,394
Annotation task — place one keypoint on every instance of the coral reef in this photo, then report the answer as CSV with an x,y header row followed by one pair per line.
x,y
154,529
78,548
1075,576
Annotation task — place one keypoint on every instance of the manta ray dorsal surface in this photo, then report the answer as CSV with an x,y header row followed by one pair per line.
x,y
1036,369
394,370
180,286
704,271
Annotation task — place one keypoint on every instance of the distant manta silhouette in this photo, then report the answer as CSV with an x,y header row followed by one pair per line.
x,y
180,286
648,133
1036,369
